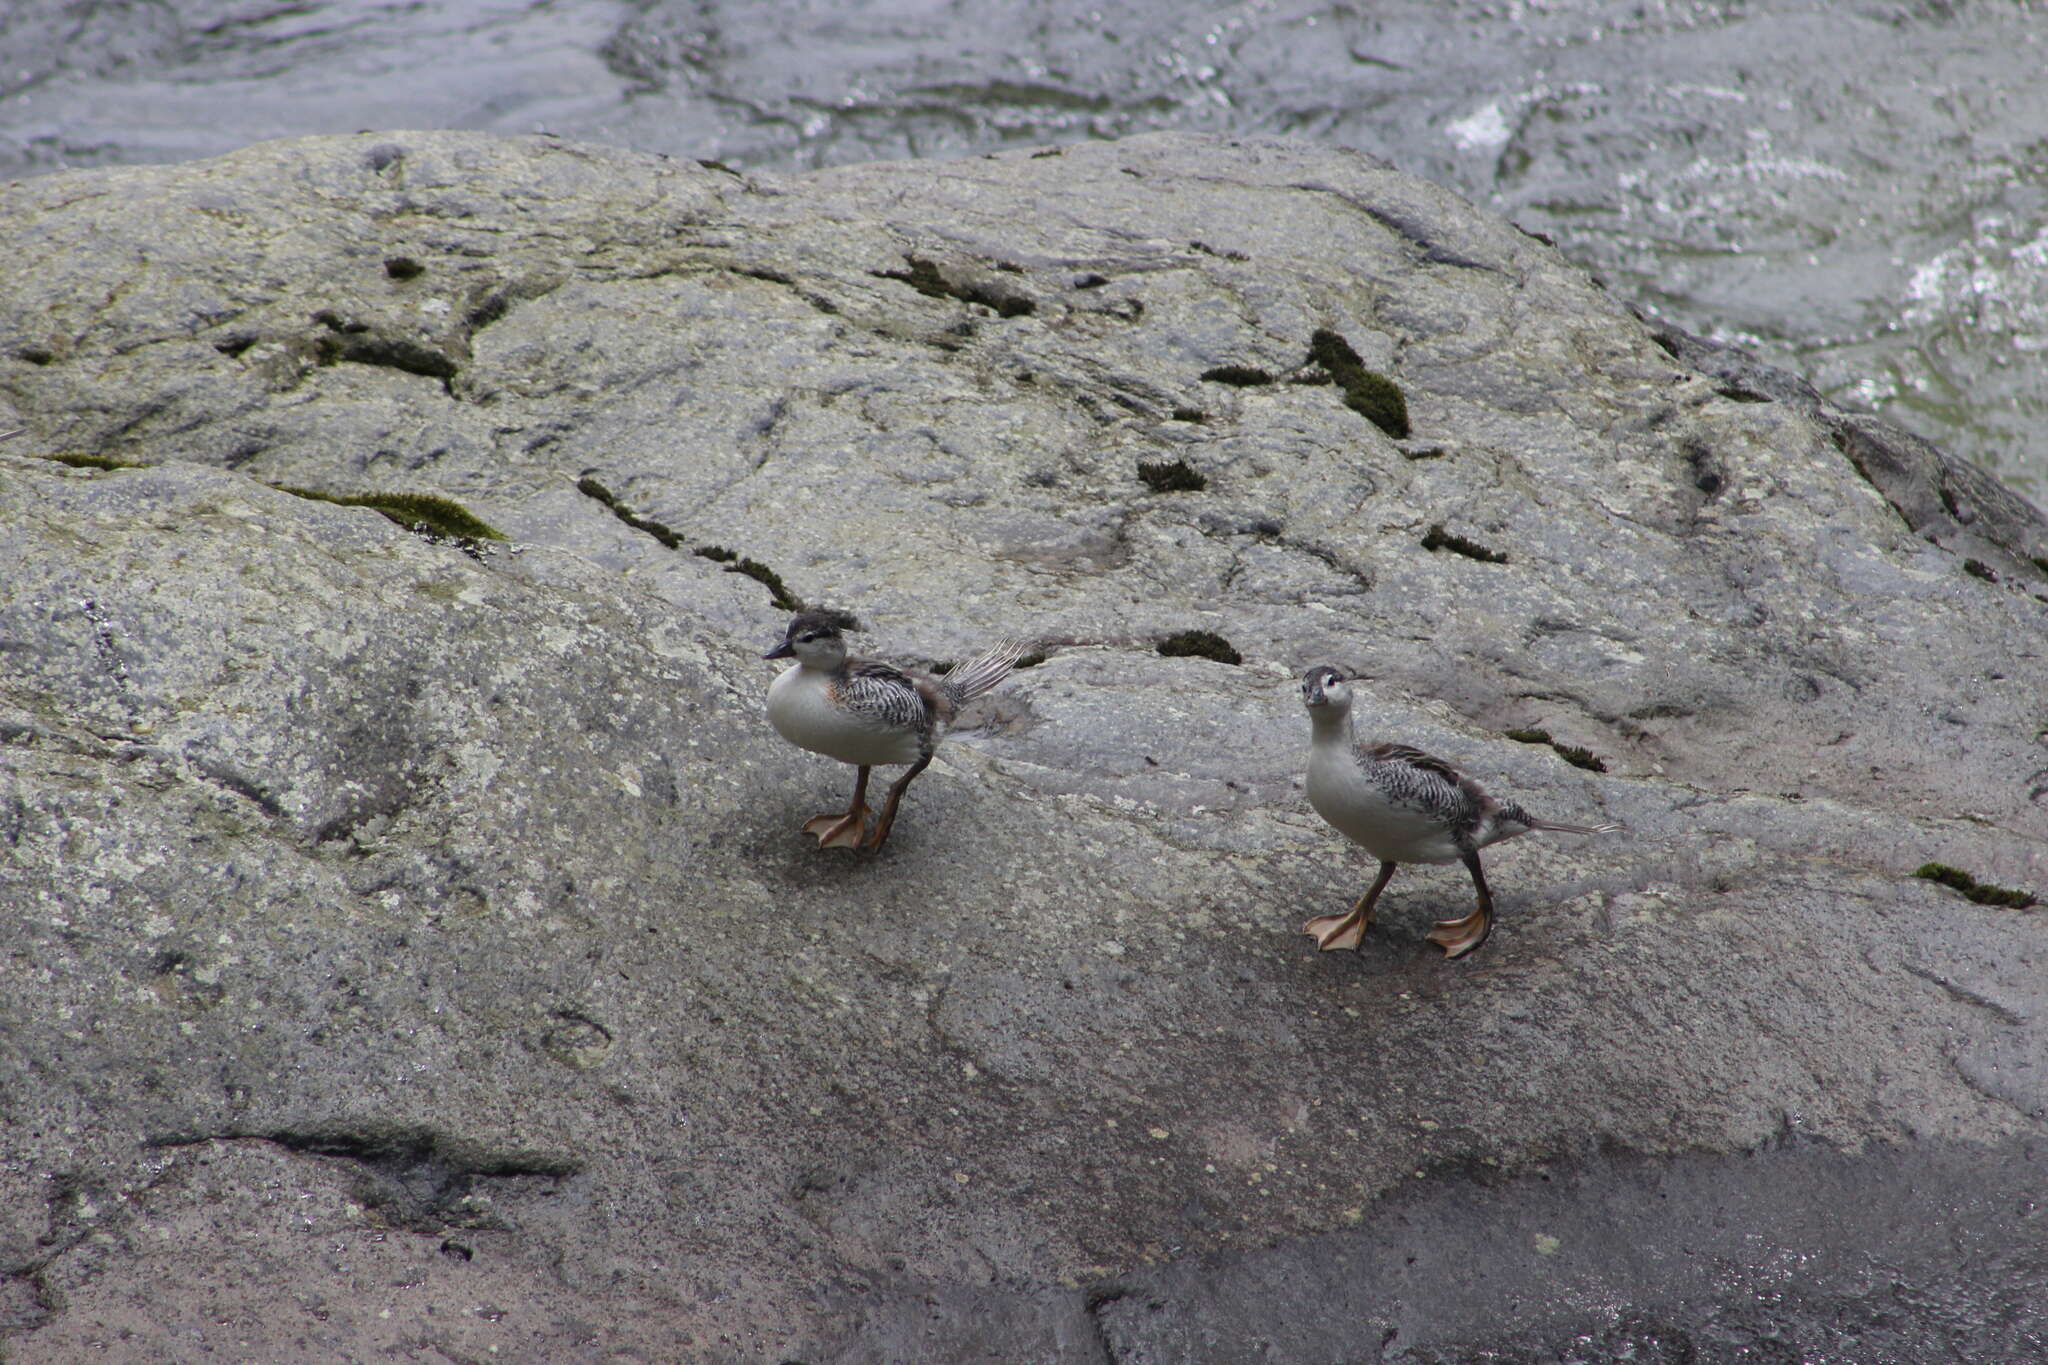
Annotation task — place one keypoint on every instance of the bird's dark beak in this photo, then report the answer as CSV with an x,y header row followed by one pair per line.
x,y
781,651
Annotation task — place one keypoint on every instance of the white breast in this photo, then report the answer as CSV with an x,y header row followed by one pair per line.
x,y
1361,812
802,713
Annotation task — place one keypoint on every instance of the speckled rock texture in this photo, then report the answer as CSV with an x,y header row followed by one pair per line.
x,y
411,953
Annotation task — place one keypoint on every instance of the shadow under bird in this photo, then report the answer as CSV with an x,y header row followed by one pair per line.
x,y
1402,806
867,713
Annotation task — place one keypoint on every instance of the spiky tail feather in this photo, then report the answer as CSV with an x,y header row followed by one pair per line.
x,y
1556,828
979,674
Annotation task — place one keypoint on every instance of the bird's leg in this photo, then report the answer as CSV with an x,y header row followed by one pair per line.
x,y
843,831
1458,937
1346,931
881,834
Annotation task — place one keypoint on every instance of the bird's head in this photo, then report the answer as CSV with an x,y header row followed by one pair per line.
x,y
816,637
1324,686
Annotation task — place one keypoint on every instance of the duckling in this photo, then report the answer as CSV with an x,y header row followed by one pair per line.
x,y
1402,806
867,713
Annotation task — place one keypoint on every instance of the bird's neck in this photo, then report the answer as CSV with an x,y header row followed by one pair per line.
x,y
824,664
1330,725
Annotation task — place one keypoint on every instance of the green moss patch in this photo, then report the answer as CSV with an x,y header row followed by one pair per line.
x,y
734,562
1440,539
1199,644
1579,758
423,514
1171,476
778,591
1570,753
591,488
1241,376
1972,889
1368,393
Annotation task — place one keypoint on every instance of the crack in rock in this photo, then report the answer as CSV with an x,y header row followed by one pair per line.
x,y
2003,1013
417,1178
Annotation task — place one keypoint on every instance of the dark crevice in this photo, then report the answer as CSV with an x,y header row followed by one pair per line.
x,y
1956,991
414,1177
1199,644
1327,558
1706,474
80,460
492,307
243,786
361,344
1433,252
42,1306
768,275
930,279
1093,1300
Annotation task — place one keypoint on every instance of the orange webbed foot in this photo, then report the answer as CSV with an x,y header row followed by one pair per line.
x,y
1458,937
1332,932
839,831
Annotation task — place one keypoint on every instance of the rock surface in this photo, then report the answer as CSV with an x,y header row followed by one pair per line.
x,y
412,953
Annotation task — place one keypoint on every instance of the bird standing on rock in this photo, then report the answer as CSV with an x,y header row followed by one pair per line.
x,y
867,713
1402,806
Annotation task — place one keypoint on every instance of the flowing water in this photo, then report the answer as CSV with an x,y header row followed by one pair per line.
x,y
1858,189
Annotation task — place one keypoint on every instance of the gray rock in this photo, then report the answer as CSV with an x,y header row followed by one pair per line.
x,y
411,949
